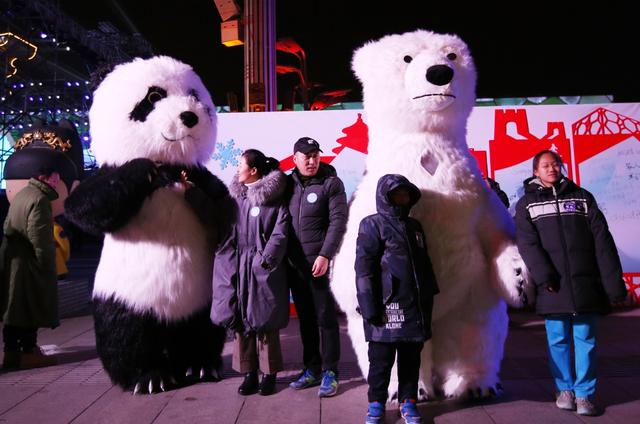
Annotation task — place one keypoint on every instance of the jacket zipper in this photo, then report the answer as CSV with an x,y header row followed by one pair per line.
x,y
415,276
567,265
300,212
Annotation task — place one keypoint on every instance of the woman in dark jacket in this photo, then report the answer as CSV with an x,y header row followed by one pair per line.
x,y
250,291
564,239
395,288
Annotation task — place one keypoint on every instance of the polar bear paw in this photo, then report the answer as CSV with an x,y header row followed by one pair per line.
x,y
393,391
425,392
513,277
472,388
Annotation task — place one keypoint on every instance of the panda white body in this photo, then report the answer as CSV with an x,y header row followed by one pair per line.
x,y
161,211
160,261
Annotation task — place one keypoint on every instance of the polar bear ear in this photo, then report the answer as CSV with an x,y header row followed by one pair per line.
x,y
364,61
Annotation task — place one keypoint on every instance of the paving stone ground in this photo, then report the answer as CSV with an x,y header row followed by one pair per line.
x,y
78,390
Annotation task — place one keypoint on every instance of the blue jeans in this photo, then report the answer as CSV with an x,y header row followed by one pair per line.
x,y
559,329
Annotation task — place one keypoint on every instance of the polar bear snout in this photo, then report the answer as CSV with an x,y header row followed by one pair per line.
x,y
439,75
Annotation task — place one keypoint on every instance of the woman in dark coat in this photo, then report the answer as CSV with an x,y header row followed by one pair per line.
x,y
250,291
29,293
564,239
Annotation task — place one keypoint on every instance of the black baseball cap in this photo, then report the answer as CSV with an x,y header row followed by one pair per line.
x,y
306,145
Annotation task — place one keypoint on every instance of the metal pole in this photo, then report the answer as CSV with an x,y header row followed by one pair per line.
x,y
260,90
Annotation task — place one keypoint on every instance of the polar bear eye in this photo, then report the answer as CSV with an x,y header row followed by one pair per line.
x,y
408,58
452,56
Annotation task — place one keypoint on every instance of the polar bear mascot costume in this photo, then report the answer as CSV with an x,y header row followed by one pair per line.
x,y
419,89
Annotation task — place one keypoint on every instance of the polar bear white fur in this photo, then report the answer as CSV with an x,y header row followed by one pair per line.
x,y
419,89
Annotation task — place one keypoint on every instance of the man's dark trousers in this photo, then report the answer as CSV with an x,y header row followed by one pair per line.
x,y
319,330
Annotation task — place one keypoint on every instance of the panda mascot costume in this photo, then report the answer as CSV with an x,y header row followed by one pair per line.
x,y
153,125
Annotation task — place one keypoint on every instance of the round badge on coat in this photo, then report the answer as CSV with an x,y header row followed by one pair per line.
x,y
312,198
255,211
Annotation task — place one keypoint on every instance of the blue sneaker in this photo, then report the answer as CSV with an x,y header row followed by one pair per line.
x,y
375,413
329,385
306,379
409,412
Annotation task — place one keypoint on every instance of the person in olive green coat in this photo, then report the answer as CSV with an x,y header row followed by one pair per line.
x,y
29,291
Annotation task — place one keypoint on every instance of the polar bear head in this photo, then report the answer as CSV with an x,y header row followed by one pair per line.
x,y
155,108
416,81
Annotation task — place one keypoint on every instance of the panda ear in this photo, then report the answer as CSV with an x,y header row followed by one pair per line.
x,y
100,73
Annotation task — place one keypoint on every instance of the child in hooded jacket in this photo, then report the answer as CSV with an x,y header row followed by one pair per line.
x,y
395,288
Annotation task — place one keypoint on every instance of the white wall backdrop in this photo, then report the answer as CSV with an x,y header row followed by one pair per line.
x,y
599,143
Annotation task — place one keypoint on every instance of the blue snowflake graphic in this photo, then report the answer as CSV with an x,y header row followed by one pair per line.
x,y
226,154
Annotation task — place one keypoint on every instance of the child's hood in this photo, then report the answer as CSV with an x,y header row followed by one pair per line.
x,y
390,182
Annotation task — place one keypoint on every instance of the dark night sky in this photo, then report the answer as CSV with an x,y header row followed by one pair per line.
x,y
525,49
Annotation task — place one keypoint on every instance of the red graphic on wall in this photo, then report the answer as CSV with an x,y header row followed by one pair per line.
x,y
287,163
632,283
507,150
598,131
481,158
356,137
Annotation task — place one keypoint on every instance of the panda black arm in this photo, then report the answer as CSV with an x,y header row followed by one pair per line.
x,y
210,200
106,201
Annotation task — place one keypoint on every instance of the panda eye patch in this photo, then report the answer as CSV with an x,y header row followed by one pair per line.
x,y
145,106
193,93
155,96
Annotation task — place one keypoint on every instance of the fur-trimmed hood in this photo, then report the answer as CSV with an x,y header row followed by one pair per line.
x,y
266,191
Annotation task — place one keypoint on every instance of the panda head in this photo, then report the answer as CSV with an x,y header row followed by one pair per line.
x,y
155,108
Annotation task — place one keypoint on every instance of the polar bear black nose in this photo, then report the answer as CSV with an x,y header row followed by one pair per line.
x,y
189,119
439,74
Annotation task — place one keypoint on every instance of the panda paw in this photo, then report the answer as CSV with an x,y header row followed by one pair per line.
x,y
203,373
154,382
139,169
140,174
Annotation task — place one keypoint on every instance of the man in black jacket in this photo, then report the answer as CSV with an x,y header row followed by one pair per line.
x,y
318,208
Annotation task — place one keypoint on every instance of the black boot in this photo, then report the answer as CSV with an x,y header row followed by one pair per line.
x,y
268,384
250,384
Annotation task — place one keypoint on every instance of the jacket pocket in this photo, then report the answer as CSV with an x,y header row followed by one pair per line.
x,y
260,297
389,287
260,273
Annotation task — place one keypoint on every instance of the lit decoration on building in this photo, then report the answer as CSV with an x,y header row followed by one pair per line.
x,y
18,49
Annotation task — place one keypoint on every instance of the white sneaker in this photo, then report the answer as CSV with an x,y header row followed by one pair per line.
x,y
566,400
